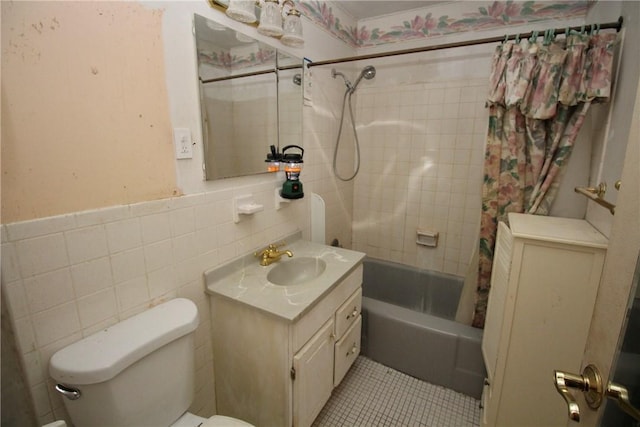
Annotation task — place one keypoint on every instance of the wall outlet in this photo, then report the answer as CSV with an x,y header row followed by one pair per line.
x,y
183,144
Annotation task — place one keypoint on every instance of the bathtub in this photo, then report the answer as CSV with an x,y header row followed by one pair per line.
x,y
408,325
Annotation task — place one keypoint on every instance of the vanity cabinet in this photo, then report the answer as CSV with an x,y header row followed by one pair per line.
x,y
271,371
546,273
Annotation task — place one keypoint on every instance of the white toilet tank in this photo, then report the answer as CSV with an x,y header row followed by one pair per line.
x,y
139,372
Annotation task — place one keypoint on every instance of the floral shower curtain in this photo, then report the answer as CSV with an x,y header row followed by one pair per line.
x,y
539,95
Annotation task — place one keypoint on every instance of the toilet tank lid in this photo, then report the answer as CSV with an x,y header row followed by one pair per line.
x,y
103,355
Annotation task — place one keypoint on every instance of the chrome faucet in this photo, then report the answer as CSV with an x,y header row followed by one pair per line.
x,y
271,254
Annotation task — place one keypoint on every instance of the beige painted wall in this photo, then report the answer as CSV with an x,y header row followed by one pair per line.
x,y
85,115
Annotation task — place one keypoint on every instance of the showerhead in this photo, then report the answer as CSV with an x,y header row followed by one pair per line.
x,y
367,72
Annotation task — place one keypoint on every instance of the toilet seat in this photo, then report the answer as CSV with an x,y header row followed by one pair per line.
x,y
222,421
190,420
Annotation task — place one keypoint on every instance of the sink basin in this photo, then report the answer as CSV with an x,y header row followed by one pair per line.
x,y
296,271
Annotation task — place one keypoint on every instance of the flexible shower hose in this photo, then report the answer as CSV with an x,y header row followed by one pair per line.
x,y
348,93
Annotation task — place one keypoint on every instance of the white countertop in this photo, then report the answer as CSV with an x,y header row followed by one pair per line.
x,y
245,280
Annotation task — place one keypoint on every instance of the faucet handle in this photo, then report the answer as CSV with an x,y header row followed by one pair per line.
x,y
262,252
278,245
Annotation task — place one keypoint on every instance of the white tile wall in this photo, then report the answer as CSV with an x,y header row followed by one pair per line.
x,y
423,149
321,121
91,276
123,235
69,276
49,289
87,243
41,254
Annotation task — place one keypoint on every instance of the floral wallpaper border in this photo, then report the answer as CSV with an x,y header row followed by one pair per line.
x,y
489,15
234,62
402,27
335,22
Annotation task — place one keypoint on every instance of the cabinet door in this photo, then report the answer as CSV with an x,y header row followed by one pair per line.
x,y
313,382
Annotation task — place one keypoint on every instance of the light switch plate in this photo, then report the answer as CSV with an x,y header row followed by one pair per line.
x,y
182,142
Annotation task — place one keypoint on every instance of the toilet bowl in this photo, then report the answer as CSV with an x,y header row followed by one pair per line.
x,y
139,372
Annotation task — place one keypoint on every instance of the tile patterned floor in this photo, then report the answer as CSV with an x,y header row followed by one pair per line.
x,y
374,395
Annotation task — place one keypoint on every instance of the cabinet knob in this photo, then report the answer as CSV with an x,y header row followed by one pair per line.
x,y
354,313
353,350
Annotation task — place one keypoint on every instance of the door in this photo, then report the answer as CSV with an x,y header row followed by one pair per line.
x,y
609,321
627,367
622,409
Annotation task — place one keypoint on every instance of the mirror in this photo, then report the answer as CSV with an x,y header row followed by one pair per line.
x,y
250,98
289,100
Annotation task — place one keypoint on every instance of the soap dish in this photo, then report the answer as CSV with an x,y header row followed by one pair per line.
x,y
245,205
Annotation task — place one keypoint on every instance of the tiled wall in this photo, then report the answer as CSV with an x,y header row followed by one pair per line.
x,y
422,142
68,276
422,154
321,120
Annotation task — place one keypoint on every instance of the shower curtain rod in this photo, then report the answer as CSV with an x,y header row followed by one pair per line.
x,y
237,76
253,73
607,26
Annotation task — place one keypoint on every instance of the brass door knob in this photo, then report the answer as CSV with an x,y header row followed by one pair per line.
x,y
590,383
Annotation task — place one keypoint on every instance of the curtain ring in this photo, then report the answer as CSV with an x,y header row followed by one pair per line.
x,y
547,37
534,36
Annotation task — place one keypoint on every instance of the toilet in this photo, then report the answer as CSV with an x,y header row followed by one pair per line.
x,y
139,372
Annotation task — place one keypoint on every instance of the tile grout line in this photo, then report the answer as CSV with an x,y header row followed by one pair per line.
x,y
372,394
